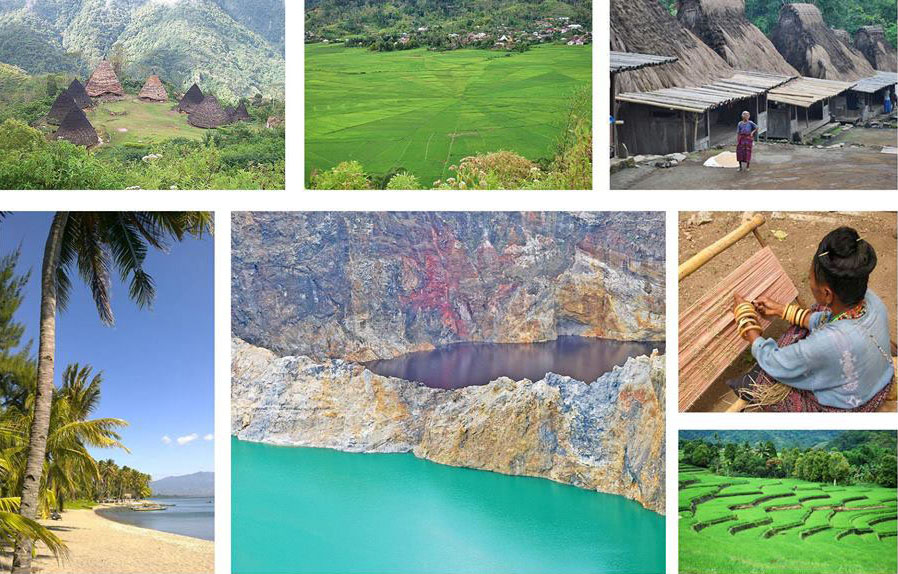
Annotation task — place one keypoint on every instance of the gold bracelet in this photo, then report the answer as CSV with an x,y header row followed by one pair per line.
x,y
744,331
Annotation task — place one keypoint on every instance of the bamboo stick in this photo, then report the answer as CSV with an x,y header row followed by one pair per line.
x,y
692,264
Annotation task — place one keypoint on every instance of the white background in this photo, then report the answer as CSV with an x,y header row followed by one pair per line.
x,y
600,199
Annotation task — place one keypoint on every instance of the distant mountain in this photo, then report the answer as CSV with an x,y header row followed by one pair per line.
x,y
234,48
196,484
781,439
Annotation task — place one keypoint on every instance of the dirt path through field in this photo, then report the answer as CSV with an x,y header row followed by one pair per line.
x,y
803,231
781,166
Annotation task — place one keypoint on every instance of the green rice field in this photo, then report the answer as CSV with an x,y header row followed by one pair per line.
x,y
787,526
423,111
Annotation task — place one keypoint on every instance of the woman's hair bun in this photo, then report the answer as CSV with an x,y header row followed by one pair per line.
x,y
844,261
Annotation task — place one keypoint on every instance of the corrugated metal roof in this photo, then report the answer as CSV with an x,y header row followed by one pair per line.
x,y
803,92
739,87
876,83
625,61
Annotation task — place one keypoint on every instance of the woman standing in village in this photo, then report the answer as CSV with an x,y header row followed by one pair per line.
x,y
745,139
835,356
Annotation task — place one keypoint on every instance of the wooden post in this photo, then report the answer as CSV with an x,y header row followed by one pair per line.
x,y
614,109
685,144
695,129
692,264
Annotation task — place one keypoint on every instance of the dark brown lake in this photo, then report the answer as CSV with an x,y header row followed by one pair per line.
x,y
466,364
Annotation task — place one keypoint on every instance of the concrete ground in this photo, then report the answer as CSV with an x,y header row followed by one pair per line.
x,y
859,165
803,231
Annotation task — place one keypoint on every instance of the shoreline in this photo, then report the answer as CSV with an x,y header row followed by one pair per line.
x,y
98,544
114,506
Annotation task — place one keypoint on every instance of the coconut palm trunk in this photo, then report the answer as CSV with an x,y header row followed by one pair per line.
x,y
44,396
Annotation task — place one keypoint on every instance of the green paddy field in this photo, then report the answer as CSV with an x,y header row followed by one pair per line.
x,y
737,525
423,111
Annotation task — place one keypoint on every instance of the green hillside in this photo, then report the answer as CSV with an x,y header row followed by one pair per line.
x,y
341,18
232,47
780,438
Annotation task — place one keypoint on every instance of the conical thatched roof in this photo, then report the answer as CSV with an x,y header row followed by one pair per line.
x,y
77,91
871,42
240,114
153,90
76,129
644,26
191,99
209,114
843,36
103,82
722,25
806,42
61,107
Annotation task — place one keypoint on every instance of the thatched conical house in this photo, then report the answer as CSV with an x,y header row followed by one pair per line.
x,y
61,107
722,25
843,36
77,91
240,114
644,26
191,99
77,129
209,114
806,42
104,84
153,90
871,42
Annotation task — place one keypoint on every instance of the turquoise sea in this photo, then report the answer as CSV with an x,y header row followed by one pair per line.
x,y
325,511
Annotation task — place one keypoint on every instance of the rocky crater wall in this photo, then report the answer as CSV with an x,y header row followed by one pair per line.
x,y
363,286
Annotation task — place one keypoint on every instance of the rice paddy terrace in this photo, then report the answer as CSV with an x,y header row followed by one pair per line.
x,y
736,524
423,111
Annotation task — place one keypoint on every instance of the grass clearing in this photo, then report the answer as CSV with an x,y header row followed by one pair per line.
x,y
132,121
809,528
423,111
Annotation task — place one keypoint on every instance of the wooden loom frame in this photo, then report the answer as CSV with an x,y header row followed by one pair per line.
x,y
705,255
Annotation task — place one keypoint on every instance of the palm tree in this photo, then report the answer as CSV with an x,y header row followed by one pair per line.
x,y
91,244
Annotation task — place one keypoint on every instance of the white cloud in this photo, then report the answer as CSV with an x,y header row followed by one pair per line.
x,y
166,440
182,440
208,437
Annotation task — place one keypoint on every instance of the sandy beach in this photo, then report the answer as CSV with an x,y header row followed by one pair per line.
x,y
98,545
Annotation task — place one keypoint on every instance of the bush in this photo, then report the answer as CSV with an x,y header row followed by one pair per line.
x,y
497,170
404,180
347,175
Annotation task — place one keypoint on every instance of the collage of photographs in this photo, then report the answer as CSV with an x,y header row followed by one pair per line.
x,y
431,328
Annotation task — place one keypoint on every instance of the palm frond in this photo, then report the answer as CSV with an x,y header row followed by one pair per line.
x,y
14,525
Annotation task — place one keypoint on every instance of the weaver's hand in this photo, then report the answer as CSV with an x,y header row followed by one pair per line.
x,y
769,308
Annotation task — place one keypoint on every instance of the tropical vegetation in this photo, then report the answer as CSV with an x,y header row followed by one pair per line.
x,y
46,431
756,508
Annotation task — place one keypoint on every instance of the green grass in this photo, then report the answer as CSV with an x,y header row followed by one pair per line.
x,y
423,111
80,504
846,541
145,123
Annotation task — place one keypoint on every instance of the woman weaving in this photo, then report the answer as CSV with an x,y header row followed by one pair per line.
x,y
835,355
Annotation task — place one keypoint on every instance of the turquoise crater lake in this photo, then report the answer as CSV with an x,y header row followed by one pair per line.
x,y
325,511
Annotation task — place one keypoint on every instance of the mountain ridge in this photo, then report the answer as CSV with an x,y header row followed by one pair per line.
x,y
200,483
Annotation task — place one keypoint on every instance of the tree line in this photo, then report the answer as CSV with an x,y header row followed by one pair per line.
x,y
865,463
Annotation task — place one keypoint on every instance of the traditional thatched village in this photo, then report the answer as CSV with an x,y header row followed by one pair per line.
x,y
68,110
681,84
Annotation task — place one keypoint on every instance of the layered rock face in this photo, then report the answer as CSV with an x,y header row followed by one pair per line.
x,y
363,286
607,435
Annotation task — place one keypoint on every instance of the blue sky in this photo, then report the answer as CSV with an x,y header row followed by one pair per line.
x,y
157,363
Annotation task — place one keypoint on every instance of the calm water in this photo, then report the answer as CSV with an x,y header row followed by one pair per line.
x,y
465,364
318,510
193,517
